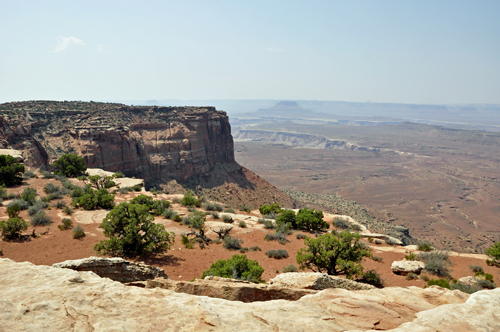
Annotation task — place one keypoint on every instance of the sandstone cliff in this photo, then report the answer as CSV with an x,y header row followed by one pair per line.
x,y
53,299
188,145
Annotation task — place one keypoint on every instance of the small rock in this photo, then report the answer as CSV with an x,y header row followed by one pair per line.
x,y
405,267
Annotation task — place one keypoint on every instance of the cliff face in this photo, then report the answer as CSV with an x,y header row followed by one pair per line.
x,y
153,143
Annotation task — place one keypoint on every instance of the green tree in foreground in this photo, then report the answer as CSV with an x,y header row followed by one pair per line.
x,y
237,267
94,199
11,172
132,232
494,251
334,254
13,227
70,165
311,220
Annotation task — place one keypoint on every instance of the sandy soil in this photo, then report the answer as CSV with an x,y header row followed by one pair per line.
x,y
185,264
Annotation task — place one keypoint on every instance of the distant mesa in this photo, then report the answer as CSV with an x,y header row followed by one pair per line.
x,y
285,106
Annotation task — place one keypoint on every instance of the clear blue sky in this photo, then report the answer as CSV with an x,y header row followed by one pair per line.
x,y
383,51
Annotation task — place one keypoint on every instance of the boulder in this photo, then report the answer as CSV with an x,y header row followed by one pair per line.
x,y
469,281
404,267
37,297
230,289
115,268
318,281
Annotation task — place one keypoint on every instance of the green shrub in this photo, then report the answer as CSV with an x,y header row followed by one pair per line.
x,y
271,215
476,268
215,215
70,165
267,209
290,268
169,214
177,218
371,277
268,224
28,175
78,232
144,200
125,190
132,232
60,205
411,276
13,196
245,208
440,282
242,224
486,284
229,210
355,227
469,289
377,259
255,248
190,200
436,262
300,236
279,235
47,174
237,267
340,223
137,187
3,191
208,206
66,224
118,175
411,256
77,192
13,227
40,218
38,206
311,220
95,199
68,210
227,219
494,251
23,205
11,172
29,195
334,254
425,246
287,217
244,250
51,188
424,277
231,243
277,254
187,242
13,211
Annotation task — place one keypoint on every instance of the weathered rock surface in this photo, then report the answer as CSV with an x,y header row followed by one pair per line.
x,y
318,281
405,267
115,268
51,299
230,289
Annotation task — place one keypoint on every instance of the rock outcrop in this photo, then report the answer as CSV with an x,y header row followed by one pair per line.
x,y
317,281
115,268
405,267
230,289
52,299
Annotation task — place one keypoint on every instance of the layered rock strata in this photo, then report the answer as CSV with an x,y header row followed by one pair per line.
x,y
317,281
53,299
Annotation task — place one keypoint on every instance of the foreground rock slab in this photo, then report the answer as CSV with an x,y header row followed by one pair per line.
x,y
44,298
318,281
231,289
115,268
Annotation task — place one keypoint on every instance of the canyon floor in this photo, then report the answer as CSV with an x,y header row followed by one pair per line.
x,y
186,264
442,184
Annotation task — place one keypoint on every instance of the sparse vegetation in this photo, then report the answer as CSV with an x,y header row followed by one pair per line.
x,y
280,234
425,246
190,200
255,248
29,175
290,268
37,206
66,224
13,211
411,276
377,259
371,277
300,236
227,219
78,232
68,210
436,262
411,256
242,224
12,228
245,208
237,267
340,223
40,218
231,243
277,254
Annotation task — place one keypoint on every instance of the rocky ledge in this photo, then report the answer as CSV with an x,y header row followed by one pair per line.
x,y
53,299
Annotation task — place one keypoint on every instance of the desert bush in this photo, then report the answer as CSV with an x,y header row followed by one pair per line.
x,y
469,289
28,175
244,250
445,283
169,214
340,223
208,206
95,199
144,200
290,268
242,224
66,224
177,218
411,276
436,262
118,175
255,248
268,224
334,254
23,205
40,218
237,267
245,208
78,232
37,206
137,187
29,195
132,232
68,210
70,165
215,215
311,220
12,228
300,236
378,241
51,188
13,211
125,190
411,256
280,234
355,227
11,172
229,210
287,217
424,277
494,251
267,209
3,191
218,207
232,243
190,200
271,215
67,184
160,206
425,246
486,284
476,268
373,278
187,242
390,241
377,259
78,192
60,205
227,219
47,175
277,254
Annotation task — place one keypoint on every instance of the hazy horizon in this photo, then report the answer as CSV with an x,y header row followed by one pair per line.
x,y
411,52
